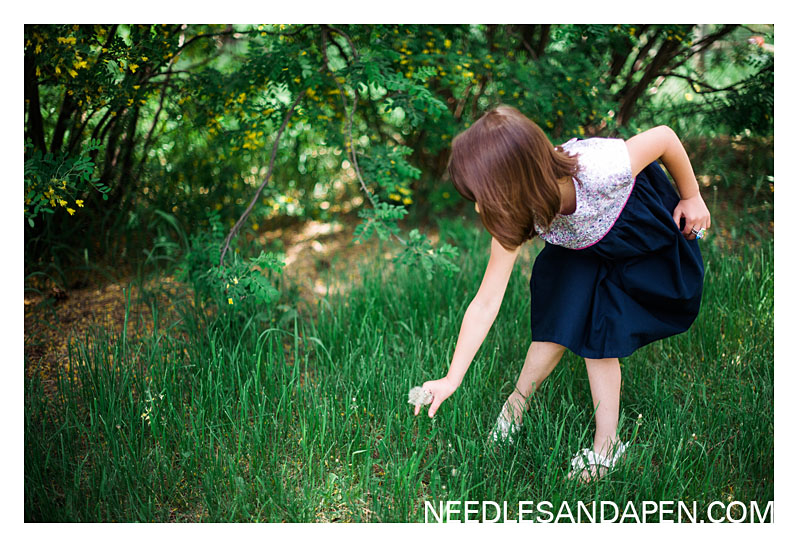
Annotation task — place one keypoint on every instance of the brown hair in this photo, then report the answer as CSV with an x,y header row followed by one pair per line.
x,y
506,164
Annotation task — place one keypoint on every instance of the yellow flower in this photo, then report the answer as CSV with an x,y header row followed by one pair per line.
x,y
145,59
70,211
79,202
230,301
397,197
133,67
38,49
62,203
235,281
73,73
407,201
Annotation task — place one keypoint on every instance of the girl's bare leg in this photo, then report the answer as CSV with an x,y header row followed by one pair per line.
x,y
541,358
605,387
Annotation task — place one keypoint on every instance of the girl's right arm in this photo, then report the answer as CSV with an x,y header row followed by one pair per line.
x,y
478,319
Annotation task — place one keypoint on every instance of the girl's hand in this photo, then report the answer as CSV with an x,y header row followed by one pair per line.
x,y
695,214
441,390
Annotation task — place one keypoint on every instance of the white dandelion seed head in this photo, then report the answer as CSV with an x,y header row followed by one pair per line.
x,y
419,396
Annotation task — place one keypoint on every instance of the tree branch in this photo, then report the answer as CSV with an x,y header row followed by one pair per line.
x,y
349,116
254,200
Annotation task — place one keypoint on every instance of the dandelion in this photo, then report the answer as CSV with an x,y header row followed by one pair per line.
x,y
419,396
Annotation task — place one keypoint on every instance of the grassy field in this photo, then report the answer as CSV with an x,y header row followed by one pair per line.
x,y
254,415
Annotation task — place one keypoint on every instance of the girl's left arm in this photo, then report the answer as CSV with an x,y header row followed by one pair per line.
x,y
661,143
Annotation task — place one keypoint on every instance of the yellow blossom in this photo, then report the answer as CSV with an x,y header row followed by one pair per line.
x,y
62,203
230,301
145,59
70,211
79,202
133,67
407,201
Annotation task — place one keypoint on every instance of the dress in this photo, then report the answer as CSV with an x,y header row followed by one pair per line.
x,y
623,275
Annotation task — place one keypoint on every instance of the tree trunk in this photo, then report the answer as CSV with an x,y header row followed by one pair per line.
x,y
34,129
64,115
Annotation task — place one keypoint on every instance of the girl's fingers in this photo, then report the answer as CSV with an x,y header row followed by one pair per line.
x,y
417,409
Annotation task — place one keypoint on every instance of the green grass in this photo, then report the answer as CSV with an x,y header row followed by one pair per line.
x,y
228,419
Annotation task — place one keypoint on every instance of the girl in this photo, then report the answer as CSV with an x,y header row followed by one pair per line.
x,y
620,267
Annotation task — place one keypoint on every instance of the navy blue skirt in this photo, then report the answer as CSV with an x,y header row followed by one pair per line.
x,y
640,283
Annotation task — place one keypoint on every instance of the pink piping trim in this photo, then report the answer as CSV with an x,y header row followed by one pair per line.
x,y
634,180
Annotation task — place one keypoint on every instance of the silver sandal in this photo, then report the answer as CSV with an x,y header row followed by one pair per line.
x,y
504,430
586,457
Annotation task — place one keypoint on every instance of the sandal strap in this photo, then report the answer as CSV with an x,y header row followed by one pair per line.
x,y
586,457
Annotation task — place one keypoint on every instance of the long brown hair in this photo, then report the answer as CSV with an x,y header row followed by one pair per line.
x,y
506,164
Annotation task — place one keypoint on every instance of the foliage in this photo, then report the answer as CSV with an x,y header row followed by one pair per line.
x,y
183,118
58,180
241,285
